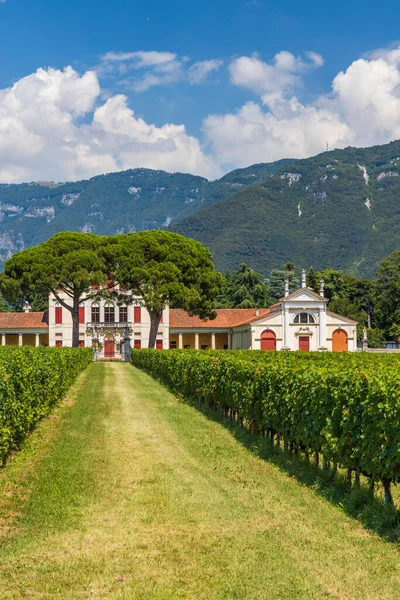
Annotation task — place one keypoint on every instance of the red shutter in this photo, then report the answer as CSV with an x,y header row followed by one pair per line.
x,y
58,343
137,314
138,344
159,345
58,315
81,343
81,314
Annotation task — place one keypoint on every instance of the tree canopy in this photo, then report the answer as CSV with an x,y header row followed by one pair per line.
x,y
244,289
68,262
165,269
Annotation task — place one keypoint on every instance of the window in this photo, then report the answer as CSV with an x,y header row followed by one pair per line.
x,y
172,345
58,343
81,343
58,315
159,344
137,314
137,344
203,347
123,314
304,318
109,314
95,314
81,314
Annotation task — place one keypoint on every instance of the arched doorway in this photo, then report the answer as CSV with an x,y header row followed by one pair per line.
x,y
339,341
268,340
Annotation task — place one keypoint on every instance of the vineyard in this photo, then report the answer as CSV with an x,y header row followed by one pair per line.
x,y
341,409
32,380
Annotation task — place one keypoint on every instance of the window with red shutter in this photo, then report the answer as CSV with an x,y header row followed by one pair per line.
x,y
81,343
58,343
138,344
137,314
81,314
58,315
159,345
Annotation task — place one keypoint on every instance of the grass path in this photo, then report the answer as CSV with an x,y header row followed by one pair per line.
x,y
136,496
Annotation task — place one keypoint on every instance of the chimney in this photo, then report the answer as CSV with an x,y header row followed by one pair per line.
x,y
321,288
27,308
286,288
303,279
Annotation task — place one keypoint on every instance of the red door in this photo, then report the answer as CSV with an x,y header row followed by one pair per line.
x,y
304,343
159,345
109,349
268,340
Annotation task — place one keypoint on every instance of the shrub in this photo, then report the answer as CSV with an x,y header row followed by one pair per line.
x,y
32,380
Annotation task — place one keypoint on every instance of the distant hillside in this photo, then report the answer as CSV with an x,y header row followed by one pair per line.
x,y
339,209
118,202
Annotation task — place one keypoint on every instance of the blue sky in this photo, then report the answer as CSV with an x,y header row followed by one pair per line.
x,y
224,83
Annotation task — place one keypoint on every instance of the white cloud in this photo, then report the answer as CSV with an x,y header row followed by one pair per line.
x,y
141,58
199,71
272,81
363,109
145,69
51,127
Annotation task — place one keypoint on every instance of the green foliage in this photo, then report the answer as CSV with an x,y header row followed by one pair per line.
x,y
165,268
244,289
326,216
388,292
278,278
32,380
70,262
345,406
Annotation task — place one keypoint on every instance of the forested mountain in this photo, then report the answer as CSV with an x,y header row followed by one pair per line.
x,y
340,209
118,202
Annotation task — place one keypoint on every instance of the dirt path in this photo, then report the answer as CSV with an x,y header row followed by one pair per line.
x,y
143,497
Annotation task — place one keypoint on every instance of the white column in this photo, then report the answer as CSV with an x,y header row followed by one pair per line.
x,y
322,328
196,341
180,341
20,339
286,328
37,340
3,339
213,341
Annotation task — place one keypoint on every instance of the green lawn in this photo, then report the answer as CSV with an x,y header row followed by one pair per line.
x,y
126,493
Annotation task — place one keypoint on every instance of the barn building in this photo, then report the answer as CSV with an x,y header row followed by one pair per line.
x,y
299,321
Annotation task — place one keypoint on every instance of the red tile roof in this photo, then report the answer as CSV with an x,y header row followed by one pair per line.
x,y
226,317
31,320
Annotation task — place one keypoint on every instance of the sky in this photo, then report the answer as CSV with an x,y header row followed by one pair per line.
x,y
201,86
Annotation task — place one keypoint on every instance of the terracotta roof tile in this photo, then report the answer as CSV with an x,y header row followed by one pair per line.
x,y
21,320
226,317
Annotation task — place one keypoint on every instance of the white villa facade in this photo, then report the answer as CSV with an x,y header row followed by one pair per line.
x,y
299,321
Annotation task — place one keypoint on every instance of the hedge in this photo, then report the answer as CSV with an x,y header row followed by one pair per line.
x,y
32,380
343,406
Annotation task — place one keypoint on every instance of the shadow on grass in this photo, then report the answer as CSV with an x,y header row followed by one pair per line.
x,y
355,500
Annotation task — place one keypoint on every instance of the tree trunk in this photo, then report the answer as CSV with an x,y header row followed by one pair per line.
x,y
75,323
155,318
388,498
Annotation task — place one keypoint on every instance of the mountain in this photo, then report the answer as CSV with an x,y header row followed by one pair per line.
x,y
118,202
340,209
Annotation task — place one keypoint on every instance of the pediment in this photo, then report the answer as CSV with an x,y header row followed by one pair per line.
x,y
304,295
